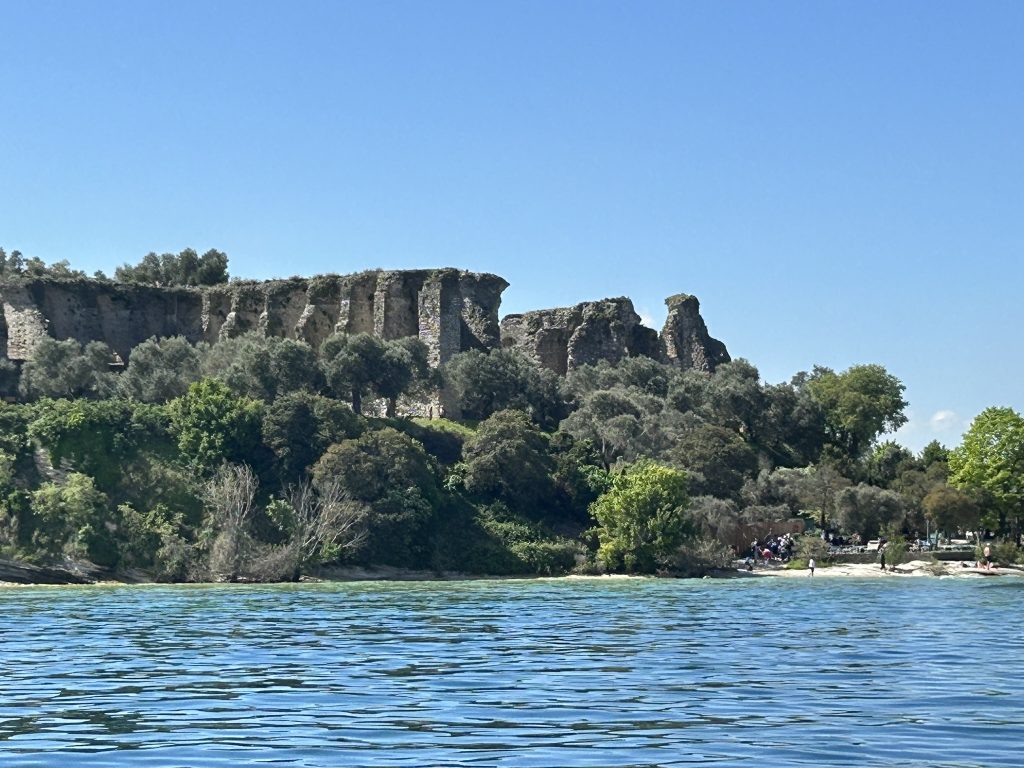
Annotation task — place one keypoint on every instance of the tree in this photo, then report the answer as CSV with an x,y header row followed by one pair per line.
x,y
299,427
212,425
185,268
717,460
351,364
950,509
160,370
230,498
642,519
887,462
98,437
860,403
621,424
392,474
991,459
867,509
508,459
263,367
503,379
70,519
325,523
402,366
933,453
66,369
818,488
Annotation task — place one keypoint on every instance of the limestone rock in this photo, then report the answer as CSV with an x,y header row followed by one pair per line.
x,y
565,338
687,343
449,309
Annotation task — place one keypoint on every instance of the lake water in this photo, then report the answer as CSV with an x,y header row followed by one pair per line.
x,y
774,672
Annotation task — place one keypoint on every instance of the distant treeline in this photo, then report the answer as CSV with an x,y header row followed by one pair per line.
x,y
167,269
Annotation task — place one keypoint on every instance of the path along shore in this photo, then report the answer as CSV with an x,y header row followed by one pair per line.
x,y
964,568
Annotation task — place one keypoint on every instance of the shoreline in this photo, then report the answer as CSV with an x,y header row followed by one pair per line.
x,y
913,569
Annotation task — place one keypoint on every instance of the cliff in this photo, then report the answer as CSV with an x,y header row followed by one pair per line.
x,y
449,309
565,338
687,343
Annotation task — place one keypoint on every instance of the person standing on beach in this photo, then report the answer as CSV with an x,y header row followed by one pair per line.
x,y
881,552
810,564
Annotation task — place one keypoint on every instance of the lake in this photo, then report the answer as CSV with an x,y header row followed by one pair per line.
x,y
599,672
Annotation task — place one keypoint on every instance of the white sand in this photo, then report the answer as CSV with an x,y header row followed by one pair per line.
x,y
964,569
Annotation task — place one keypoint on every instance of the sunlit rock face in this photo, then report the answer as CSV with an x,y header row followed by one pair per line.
x,y
449,309
685,337
565,338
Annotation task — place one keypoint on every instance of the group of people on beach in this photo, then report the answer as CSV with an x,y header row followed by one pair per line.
x,y
773,548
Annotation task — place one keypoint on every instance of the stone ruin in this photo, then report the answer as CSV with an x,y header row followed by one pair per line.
x,y
450,310
565,338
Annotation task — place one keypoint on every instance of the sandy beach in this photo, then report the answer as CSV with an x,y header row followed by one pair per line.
x,y
959,569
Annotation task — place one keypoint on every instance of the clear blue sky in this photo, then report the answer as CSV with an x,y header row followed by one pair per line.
x,y
839,182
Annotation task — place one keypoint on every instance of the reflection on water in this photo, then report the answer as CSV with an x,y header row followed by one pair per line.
x,y
883,672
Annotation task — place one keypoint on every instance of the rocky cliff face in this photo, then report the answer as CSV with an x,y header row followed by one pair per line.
x,y
687,343
565,338
450,310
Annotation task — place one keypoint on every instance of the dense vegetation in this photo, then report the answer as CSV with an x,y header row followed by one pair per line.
x,y
184,268
263,458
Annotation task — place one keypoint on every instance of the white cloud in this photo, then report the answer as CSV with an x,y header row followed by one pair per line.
x,y
944,421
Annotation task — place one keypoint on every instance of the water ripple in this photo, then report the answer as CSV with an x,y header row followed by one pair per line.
x,y
525,673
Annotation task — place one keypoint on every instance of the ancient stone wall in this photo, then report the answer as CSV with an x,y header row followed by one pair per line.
x,y
565,338
450,310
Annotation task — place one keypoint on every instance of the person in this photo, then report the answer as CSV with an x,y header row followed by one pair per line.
x,y
881,552
988,557
810,564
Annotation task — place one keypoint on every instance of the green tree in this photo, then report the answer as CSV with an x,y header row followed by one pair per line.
x,y
351,364
860,403
620,423
402,366
503,379
508,459
98,437
185,268
392,474
991,459
950,509
642,519
160,370
71,519
263,367
818,488
867,509
887,461
212,424
66,369
299,427
717,460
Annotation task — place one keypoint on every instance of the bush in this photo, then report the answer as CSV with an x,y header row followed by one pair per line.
x,y
1003,552
697,557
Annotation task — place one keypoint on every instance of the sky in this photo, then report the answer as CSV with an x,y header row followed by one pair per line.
x,y
838,182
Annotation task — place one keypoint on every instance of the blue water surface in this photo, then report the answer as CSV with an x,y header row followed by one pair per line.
x,y
782,672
